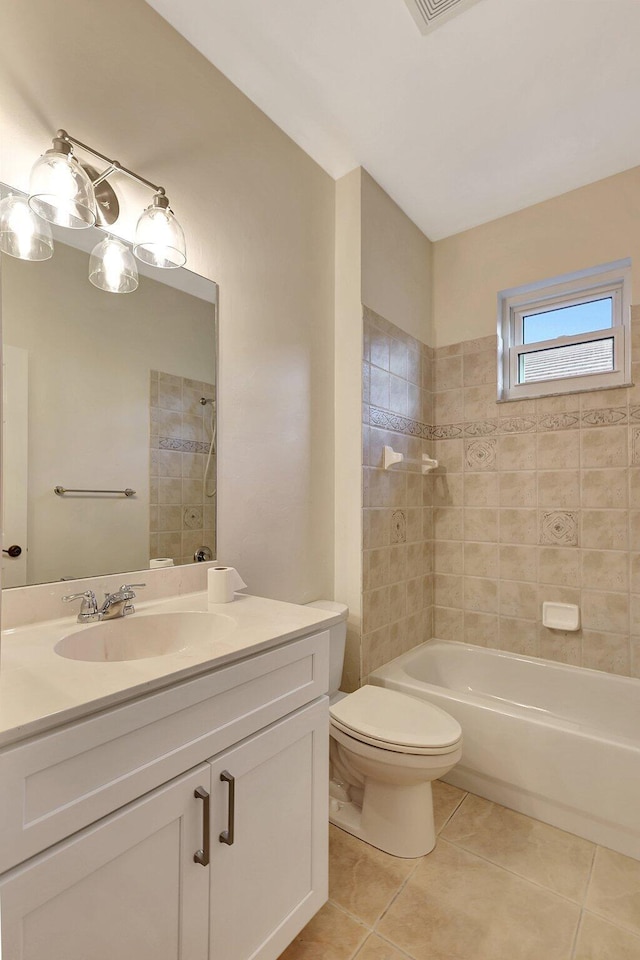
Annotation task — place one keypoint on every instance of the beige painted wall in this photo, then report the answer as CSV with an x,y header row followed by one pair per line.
x,y
396,263
348,400
259,218
595,224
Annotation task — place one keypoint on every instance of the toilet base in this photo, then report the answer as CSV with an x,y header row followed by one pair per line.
x,y
396,820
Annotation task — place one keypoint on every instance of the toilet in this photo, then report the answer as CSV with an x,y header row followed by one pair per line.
x,y
386,747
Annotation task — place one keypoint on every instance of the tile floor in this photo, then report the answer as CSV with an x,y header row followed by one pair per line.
x,y
498,886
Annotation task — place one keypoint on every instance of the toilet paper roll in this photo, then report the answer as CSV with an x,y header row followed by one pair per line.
x,y
222,582
160,562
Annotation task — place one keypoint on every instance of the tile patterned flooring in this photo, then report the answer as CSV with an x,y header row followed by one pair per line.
x,y
498,886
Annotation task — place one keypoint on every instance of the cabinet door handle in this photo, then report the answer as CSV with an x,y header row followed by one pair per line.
x,y
202,856
227,835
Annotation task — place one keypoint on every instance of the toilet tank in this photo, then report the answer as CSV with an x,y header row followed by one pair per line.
x,y
337,640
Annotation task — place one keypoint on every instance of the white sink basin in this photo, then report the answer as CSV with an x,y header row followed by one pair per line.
x,y
140,636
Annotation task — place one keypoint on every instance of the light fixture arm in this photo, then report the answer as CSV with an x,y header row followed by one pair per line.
x,y
113,165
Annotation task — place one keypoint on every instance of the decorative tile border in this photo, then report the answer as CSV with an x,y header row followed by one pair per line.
x,y
517,425
393,421
182,446
558,421
480,428
606,417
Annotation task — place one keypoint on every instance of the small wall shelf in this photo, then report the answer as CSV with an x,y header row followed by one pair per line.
x,y
394,459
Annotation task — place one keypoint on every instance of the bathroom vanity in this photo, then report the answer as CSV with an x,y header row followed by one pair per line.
x,y
165,806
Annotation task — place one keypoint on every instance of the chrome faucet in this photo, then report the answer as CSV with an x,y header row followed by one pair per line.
x,y
115,604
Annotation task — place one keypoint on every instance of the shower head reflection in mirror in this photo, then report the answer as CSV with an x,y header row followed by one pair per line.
x,y
212,447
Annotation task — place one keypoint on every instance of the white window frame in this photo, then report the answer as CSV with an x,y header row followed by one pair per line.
x,y
609,280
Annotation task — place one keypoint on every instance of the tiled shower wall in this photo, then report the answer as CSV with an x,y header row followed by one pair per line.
x,y
182,515
397,517
536,500
533,500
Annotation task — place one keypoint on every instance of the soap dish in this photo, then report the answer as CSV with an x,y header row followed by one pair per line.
x,y
561,616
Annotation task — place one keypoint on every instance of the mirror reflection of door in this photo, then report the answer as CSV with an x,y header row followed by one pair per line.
x,y
15,423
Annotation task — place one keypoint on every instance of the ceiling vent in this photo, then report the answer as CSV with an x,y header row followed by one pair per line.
x,y
430,14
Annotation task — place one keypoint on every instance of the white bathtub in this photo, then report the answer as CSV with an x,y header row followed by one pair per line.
x,y
559,743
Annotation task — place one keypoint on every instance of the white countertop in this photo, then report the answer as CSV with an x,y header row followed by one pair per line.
x,y
40,690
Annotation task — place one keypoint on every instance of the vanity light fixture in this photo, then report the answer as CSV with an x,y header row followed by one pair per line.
x,y
23,234
70,194
112,267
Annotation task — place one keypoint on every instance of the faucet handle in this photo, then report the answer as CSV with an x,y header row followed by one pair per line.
x,y
89,601
131,586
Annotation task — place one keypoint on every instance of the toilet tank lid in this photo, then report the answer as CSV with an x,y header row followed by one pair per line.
x,y
331,606
395,717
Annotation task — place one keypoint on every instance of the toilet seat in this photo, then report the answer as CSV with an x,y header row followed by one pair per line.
x,y
396,722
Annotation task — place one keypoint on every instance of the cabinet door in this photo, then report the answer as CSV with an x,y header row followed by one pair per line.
x,y
126,887
271,880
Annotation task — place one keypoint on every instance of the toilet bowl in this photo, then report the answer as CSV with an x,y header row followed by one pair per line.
x,y
386,748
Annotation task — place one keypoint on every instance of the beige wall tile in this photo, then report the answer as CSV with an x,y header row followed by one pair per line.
x,y
481,489
376,568
398,352
448,489
449,454
448,556
606,651
448,406
604,399
398,561
559,565
480,594
481,629
560,646
480,559
518,489
480,524
448,624
447,590
634,487
448,523
518,599
480,367
375,609
605,570
414,592
604,447
519,636
481,345
559,450
561,404
379,388
447,373
559,488
398,601
518,562
480,402
605,529
518,526
604,488
375,650
605,612
398,396
517,452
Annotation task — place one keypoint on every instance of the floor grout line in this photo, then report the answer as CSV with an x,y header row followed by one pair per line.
x,y
513,873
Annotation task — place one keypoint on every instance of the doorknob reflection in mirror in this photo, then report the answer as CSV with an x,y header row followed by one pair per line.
x,y
13,551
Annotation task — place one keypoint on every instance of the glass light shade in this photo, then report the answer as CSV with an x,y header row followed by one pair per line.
x,y
112,267
61,192
159,239
22,233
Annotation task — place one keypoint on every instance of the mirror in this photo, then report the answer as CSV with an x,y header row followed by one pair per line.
x,y
110,400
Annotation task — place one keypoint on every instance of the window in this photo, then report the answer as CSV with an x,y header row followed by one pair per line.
x,y
567,334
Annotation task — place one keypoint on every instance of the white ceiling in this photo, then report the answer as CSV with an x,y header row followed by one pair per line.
x,y
509,103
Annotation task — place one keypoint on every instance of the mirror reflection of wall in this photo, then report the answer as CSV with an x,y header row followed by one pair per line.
x,y
108,390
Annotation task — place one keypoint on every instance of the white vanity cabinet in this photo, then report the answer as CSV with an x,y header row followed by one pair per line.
x,y
126,887
129,882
